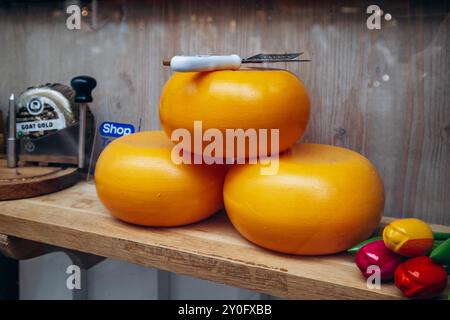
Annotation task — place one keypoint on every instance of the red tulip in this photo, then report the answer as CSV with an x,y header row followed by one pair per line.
x,y
376,253
420,277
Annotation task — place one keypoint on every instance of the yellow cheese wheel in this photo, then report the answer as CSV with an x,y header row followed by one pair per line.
x,y
323,200
137,181
241,99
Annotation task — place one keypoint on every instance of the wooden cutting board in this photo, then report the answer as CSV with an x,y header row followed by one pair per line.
x,y
26,182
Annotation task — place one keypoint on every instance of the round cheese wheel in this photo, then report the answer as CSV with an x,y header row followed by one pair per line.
x,y
137,182
322,200
241,99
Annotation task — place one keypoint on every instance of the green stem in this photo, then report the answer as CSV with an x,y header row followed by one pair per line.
x,y
441,235
362,244
437,243
447,269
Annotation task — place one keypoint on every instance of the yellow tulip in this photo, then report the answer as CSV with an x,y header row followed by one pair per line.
x,y
408,237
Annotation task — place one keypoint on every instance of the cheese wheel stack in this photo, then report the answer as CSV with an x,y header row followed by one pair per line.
x,y
321,200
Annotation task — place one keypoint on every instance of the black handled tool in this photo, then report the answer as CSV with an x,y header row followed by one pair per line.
x,y
83,86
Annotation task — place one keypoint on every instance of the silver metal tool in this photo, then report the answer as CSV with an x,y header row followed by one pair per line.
x,y
47,125
53,123
11,145
283,57
82,135
225,62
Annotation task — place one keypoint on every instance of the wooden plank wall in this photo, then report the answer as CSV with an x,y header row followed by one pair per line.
x,y
402,124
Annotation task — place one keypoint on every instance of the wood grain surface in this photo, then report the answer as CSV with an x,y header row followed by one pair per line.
x,y
384,93
75,219
26,182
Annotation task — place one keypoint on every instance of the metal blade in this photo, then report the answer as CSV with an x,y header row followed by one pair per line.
x,y
284,57
273,61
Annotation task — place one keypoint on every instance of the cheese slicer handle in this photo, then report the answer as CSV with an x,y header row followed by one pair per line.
x,y
205,63
83,86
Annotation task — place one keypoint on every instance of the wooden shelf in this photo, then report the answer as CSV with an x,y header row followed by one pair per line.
x,y
75,219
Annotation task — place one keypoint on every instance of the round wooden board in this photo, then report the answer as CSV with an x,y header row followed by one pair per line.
x,y
26,182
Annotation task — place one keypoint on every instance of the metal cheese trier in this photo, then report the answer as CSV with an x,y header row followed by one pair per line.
x,y
225,62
